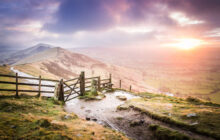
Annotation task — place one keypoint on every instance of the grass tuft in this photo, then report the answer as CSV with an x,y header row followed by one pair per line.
x,y
162,133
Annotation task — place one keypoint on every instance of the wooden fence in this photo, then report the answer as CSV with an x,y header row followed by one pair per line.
x,y
17,83
81,83
120,85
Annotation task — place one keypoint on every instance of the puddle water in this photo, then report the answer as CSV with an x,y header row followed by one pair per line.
x,y
99,110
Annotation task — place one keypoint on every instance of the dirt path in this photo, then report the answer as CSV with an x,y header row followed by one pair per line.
x,y
105,112
141,131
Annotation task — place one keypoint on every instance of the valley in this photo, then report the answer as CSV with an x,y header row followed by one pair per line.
x,y
182,73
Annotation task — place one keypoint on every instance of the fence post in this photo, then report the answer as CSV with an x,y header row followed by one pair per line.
x,y
39,89
16,85
110,78
99,81
82,83
130,88
120,84
61,93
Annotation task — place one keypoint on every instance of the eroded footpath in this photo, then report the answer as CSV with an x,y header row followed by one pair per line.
x,y
124,116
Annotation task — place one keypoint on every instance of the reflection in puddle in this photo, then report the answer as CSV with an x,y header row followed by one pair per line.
x,y
98,110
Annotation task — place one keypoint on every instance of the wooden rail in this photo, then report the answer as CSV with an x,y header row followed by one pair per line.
x,y
81,83
17,84
91,78
28,78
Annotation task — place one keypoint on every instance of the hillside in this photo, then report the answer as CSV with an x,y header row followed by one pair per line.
x,y
182,72
59,63
12,57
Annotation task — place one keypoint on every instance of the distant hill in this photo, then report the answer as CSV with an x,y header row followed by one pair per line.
x,y
141,57
13,57
183,73
59,63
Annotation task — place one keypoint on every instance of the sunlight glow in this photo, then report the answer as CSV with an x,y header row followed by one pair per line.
x,y
186,43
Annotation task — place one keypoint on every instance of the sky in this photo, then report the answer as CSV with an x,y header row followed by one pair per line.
x,y
110,23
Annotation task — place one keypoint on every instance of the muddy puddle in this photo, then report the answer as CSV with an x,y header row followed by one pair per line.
x,y
101,111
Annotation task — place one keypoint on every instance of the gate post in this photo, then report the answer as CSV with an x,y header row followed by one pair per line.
x,y
82,83
39,87
110,78
61,92
99,81
16,80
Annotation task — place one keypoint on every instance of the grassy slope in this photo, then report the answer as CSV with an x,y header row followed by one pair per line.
x,y
174,110
162,133
32,118
32,70
184,81
6,70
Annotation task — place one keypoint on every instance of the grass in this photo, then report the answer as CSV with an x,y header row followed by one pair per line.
x,y
191,80
162,133
6,70
32,118
29,117
90,96
32,69
175,110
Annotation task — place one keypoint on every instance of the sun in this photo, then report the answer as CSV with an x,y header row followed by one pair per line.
x,y
187,43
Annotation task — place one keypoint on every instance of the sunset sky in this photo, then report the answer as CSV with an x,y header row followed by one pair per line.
x,y
110,23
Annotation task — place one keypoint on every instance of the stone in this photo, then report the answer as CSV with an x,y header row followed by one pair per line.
x,y
98,97
67,117
94,119
191,115
122,98
56,91
13,126
136,123
104,91
43,123
88,111
78,135
87,118
94,87
195,123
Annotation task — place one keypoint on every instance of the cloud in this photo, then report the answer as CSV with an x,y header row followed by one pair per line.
x,y
205,10
183,20
106,21
82,15
75,15
22,20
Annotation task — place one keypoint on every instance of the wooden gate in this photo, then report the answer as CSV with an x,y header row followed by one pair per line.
x,y
79,86
71,88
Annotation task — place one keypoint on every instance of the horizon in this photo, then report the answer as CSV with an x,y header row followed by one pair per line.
x,y
121,23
